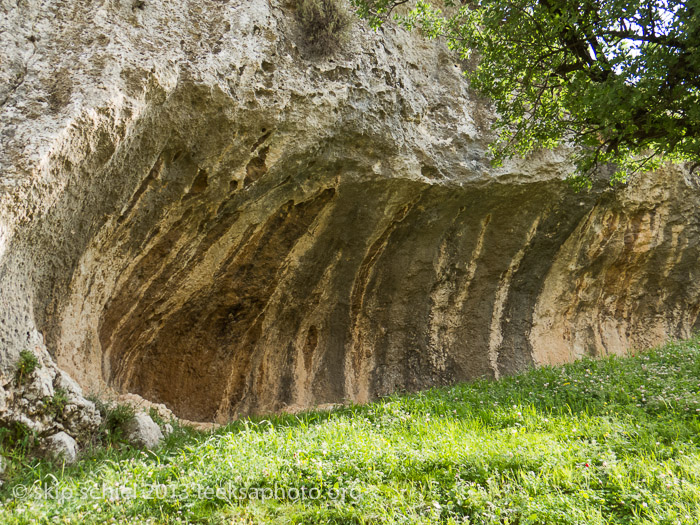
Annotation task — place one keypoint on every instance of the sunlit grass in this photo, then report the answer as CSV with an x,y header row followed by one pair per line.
x,y
609,441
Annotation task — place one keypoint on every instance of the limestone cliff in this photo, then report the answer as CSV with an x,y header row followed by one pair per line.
x,y
194,210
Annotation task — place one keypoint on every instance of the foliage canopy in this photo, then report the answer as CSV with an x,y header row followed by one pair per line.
x,y
619,80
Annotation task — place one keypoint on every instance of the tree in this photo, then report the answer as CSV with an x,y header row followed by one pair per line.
x,y
617,80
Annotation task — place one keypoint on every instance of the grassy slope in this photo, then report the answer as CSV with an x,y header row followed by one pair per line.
x,y
609,441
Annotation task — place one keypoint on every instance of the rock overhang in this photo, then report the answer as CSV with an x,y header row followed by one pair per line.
x,y
217,222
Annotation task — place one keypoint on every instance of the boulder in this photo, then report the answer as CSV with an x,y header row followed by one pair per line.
x,y
142,432
46,401
60,447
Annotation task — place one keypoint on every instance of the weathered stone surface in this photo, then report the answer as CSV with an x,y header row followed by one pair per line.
x,y
61,447
141,431
140,404
47,400
193,211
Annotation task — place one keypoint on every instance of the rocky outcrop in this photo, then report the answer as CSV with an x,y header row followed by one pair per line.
x,y
194,211
43,400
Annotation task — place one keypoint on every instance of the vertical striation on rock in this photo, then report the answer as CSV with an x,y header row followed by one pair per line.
x,y
193,210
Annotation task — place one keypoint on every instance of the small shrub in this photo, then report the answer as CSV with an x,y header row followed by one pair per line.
x,y
16,440
27,363
324,24
118,415
114,416
56,404
155,416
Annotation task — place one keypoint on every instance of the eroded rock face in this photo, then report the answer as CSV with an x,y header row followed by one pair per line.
x,y
44,399
194,211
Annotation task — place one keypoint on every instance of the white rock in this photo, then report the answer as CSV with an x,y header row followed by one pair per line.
x,y
61,447
141,431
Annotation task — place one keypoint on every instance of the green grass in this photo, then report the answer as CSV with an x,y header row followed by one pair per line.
x,y
609,441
